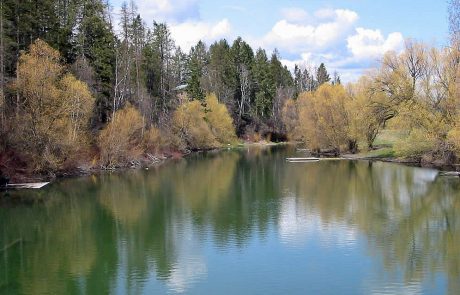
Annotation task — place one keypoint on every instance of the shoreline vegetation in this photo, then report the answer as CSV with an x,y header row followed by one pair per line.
x,y
77,97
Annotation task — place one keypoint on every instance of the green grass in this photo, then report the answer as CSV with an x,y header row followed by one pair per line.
x,y
386,152
384,144
388,137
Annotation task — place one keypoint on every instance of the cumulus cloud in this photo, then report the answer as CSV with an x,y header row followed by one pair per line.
x,y
184,21
331,37
168,10
302,37
293,37
371,44
294,14
187,34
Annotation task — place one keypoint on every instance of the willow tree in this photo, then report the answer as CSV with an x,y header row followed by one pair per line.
x,y
120,141
324,120
54,109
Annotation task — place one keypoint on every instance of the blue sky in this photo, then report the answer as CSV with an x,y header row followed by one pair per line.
x,y
349,36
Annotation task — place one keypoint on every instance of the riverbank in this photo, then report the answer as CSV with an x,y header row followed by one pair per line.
x,y
382,152
145,161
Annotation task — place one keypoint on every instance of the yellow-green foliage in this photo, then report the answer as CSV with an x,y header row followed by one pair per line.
x,y
416,143
120,140
54,109
190,125
219,120
290,117
453,137
158,140
323,118
365,119
419,86
203,127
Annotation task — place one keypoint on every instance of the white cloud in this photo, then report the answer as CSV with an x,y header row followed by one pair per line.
x,y
168,10
304,38
324,14
371,44
187,34
295,38
295,15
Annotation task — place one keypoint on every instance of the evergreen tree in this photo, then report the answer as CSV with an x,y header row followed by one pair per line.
x,y
95,41
25,21
265,85
321,75
197,64
221,79
299,83
164,46
179,68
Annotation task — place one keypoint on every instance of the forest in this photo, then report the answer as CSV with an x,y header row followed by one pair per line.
x,y
78,94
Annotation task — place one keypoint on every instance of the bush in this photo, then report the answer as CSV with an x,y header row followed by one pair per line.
x,y
158,140
189,125
219,120
416,144
120,141
202,127
290,117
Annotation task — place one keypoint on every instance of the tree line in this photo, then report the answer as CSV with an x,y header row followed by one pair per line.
x,y
415,92
74,91
71,87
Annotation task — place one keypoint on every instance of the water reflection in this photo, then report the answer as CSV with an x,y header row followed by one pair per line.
x,y
175,228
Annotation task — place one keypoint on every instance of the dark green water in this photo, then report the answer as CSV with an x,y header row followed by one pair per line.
x,y
237,222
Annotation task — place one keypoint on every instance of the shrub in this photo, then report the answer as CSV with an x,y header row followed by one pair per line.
x,y
159,140
189,125
202,127
219,120
417,143
120,140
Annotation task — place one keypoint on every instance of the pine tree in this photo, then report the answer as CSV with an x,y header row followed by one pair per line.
x,y
179,68
164,46
95,41
221,79
298,81
321,75
265,85
281,75
197,63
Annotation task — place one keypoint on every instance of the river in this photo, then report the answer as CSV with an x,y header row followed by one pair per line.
x,y
236,222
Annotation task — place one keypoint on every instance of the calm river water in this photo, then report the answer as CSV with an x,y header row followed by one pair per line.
x,y
237,222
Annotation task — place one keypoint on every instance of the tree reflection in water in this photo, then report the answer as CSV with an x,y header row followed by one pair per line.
x,y
115,232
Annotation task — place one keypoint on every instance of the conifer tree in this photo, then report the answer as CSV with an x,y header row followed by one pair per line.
x,y
95,41
197,63
321,75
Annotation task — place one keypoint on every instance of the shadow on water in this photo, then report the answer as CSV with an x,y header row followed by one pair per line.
x,y
165,229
